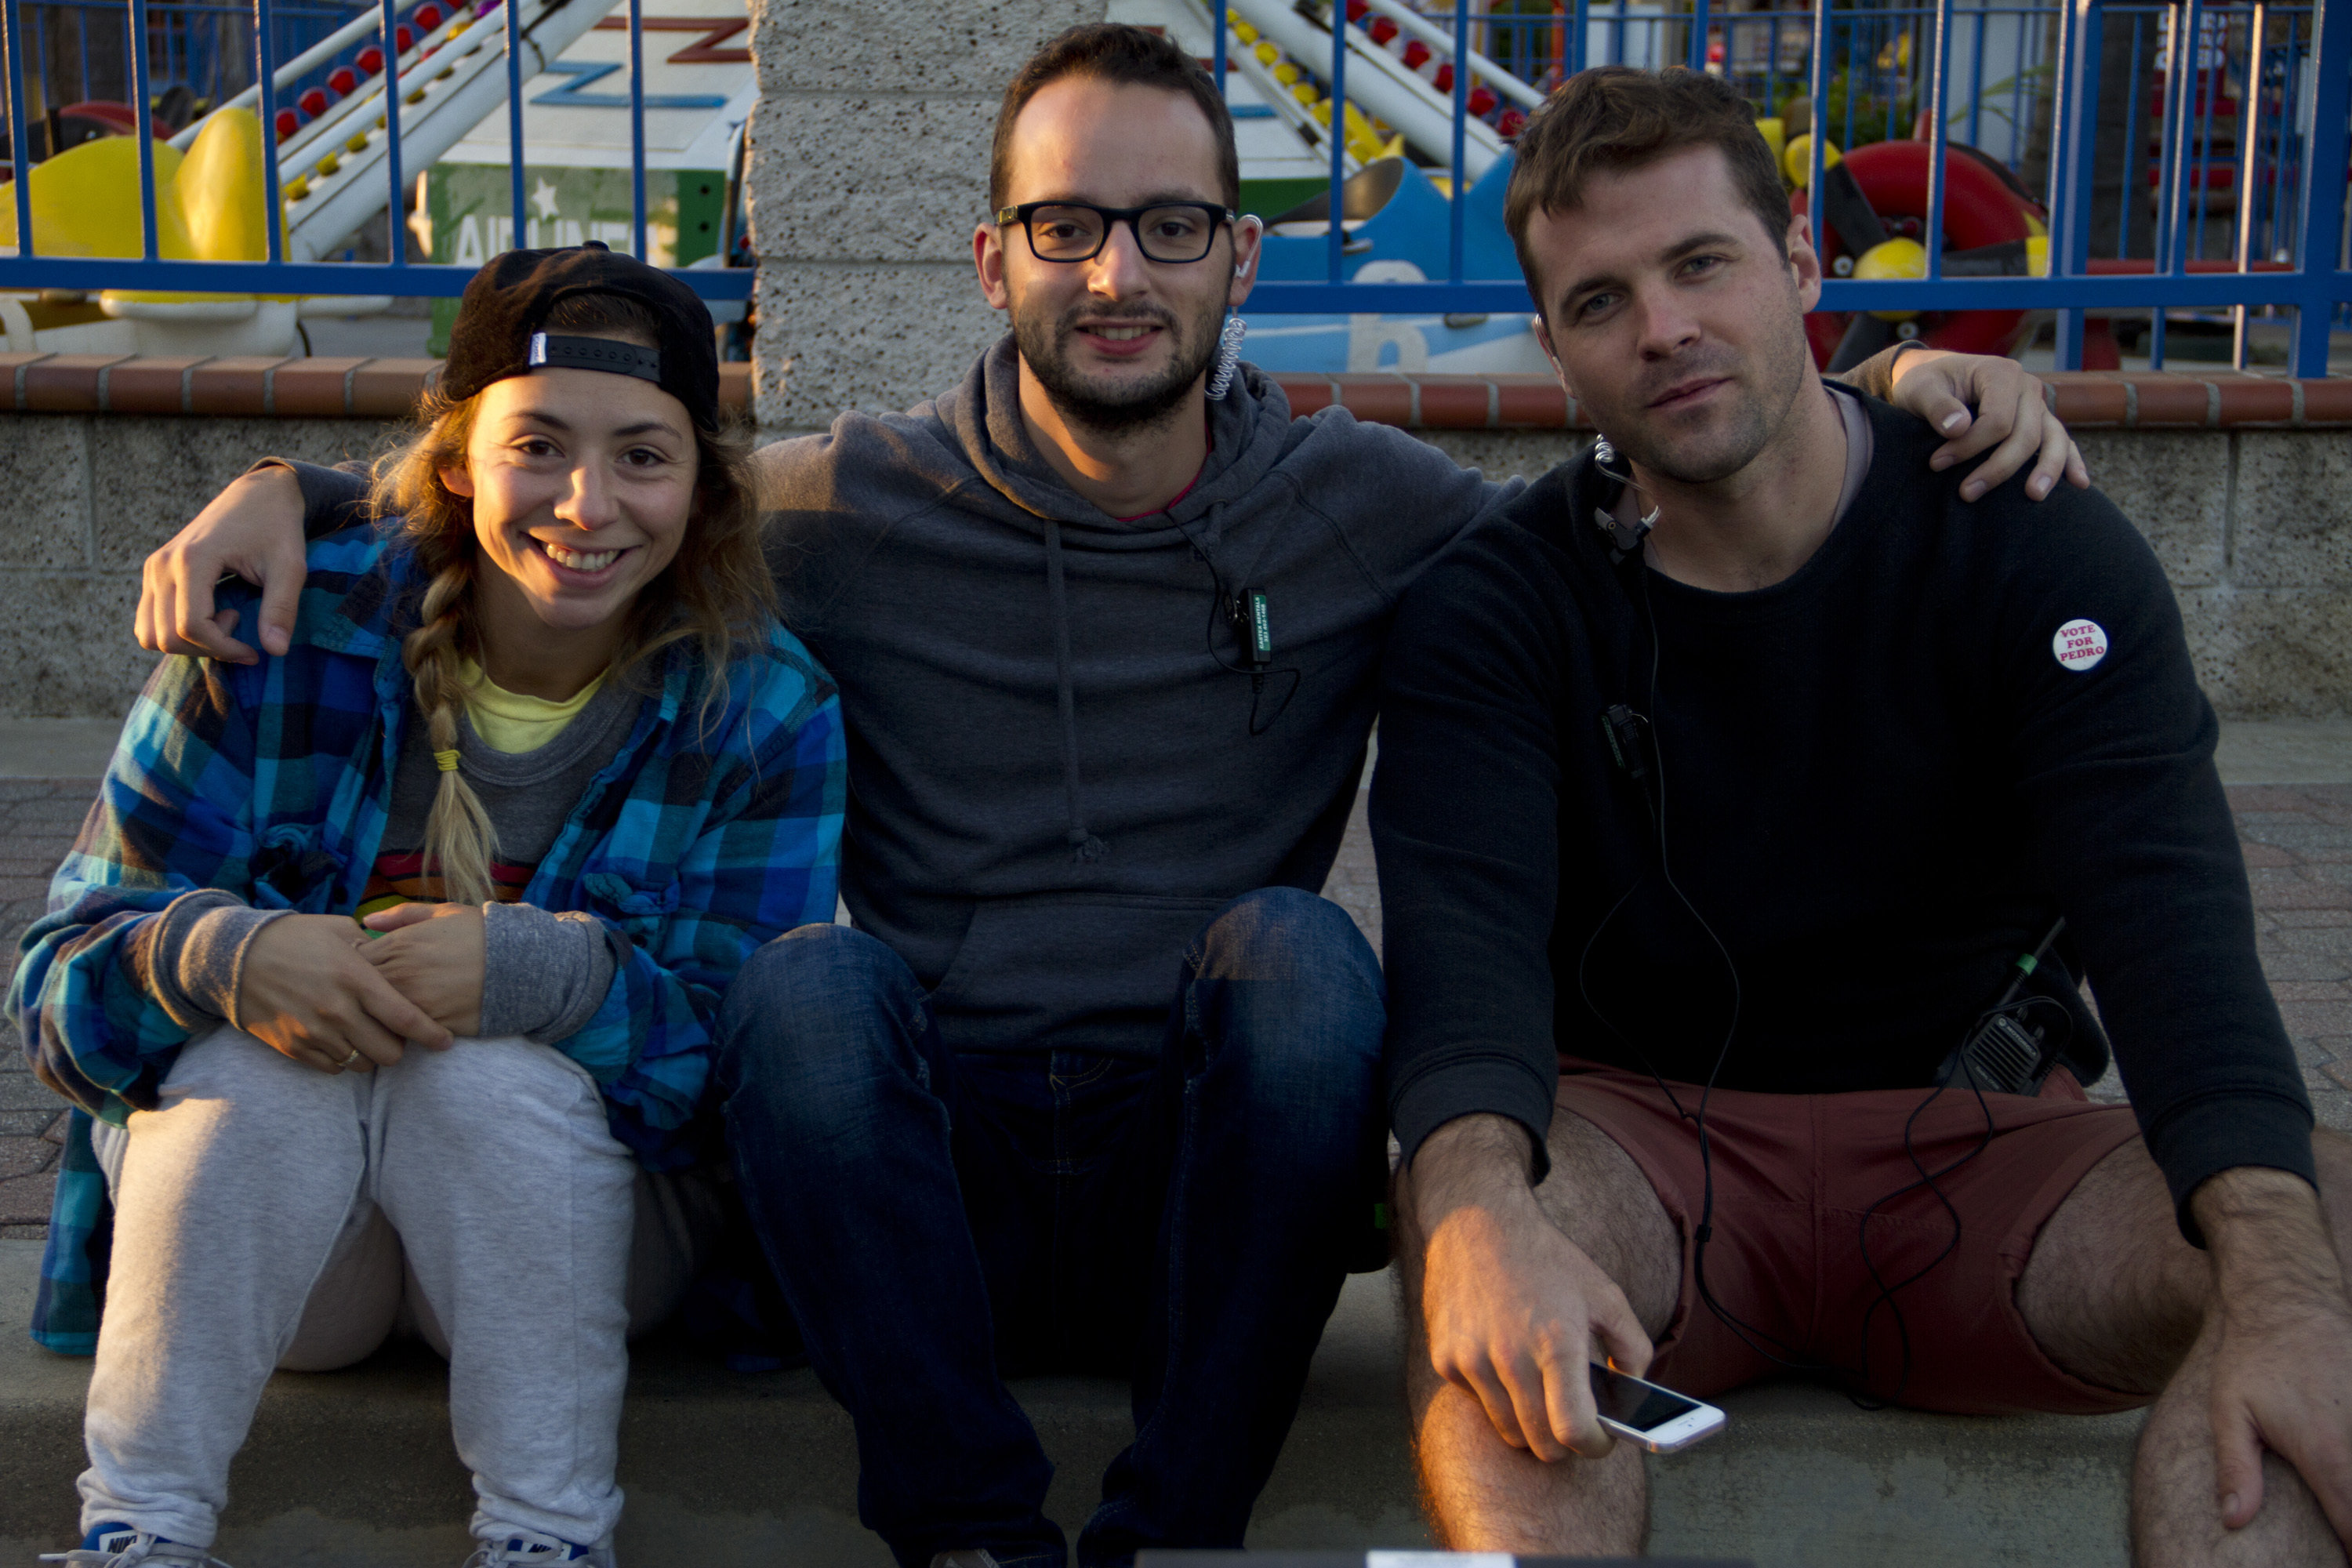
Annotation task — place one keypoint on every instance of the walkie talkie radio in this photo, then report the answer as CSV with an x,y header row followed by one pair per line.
x,y
2003,1054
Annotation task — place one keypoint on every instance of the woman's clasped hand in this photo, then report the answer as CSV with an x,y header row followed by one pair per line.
x,y
311,987
344,996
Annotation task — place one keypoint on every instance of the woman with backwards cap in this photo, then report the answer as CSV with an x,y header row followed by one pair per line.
x,y
539,773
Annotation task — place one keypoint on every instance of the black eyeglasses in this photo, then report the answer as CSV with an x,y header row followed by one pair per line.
x,y
1077,231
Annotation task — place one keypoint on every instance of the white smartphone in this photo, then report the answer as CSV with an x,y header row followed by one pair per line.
x,y
1653,1417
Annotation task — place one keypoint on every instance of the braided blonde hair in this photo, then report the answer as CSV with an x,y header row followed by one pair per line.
x,y
716,591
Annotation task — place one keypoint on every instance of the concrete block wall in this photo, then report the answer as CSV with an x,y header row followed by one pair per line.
x,y
868,168
2255,531
83,498
104,457
2253,526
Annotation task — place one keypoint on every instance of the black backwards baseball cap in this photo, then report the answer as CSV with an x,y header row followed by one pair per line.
x,y
498,332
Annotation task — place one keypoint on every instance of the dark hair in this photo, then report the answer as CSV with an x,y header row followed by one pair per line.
x,y
1128,57
1614,118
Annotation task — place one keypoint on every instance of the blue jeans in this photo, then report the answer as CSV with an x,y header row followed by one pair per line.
x,y
938,1219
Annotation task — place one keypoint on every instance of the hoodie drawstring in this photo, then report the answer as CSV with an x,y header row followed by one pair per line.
x,y
1084,846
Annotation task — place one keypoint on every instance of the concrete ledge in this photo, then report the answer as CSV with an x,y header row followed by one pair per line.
x,y
244,387
355,1468
388,389
2086,400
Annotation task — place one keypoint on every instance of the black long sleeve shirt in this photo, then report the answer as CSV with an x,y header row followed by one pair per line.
x,y
1878,782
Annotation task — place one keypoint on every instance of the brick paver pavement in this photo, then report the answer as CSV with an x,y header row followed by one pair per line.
x,y
38,819
2298,842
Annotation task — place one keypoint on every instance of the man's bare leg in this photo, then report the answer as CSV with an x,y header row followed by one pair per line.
x,y
1480,1493
2114,1296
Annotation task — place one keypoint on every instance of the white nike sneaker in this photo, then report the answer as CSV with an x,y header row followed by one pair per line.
x,y
121,1546
523,1549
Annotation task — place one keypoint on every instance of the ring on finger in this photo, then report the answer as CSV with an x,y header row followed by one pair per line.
x,y
352,1056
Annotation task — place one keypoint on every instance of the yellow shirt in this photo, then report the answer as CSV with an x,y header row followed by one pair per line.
x,y
512,722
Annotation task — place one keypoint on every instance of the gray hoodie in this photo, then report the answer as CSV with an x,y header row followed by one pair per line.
x,y
1059,765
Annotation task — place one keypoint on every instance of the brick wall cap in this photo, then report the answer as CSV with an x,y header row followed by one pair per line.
x,y
2218,399
63,383
235,384
154,385
315,387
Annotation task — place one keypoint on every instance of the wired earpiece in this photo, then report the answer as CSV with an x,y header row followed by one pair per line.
x,y
1624,538
1999,1051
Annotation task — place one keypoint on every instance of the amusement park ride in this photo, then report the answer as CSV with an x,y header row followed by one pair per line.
x,y
1398,147
329,144
1397,159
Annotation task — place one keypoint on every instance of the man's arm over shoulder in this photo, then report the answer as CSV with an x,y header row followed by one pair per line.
x,y
334,498
2113,751
1398,500
827,498
1465,818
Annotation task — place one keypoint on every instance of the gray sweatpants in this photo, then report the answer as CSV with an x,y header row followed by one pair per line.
x,y
263,1215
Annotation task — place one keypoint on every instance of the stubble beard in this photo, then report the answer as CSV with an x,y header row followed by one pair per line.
x,y
1768,386
1045,346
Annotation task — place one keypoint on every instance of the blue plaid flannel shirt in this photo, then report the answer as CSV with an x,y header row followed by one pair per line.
x,y
707,835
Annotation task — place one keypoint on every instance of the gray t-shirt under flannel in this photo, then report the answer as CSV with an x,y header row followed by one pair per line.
x,y
545,973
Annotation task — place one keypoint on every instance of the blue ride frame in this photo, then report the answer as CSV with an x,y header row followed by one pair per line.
x,y
2318,70
400,276
2304,192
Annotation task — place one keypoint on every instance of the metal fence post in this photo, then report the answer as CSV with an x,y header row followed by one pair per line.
x,y
2319,247
1217,65
265,74
2250,118
1455,208
1337,128
1819,118
12,34
395,203
2070,208
514,124
143,128
1939,66
637,132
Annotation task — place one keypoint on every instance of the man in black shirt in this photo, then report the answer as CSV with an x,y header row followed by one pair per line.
x,y
1728,783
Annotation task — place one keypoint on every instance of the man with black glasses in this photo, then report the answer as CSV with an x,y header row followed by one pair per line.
x,y
1106,621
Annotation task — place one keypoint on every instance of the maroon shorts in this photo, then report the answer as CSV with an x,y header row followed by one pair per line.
x,y
1794,1175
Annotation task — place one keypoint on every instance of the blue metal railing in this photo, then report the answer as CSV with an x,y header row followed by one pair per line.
x,y
187,42
270,39
2242,107
2276,177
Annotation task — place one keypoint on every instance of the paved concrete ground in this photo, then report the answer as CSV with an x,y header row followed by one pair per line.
x,y
38,820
